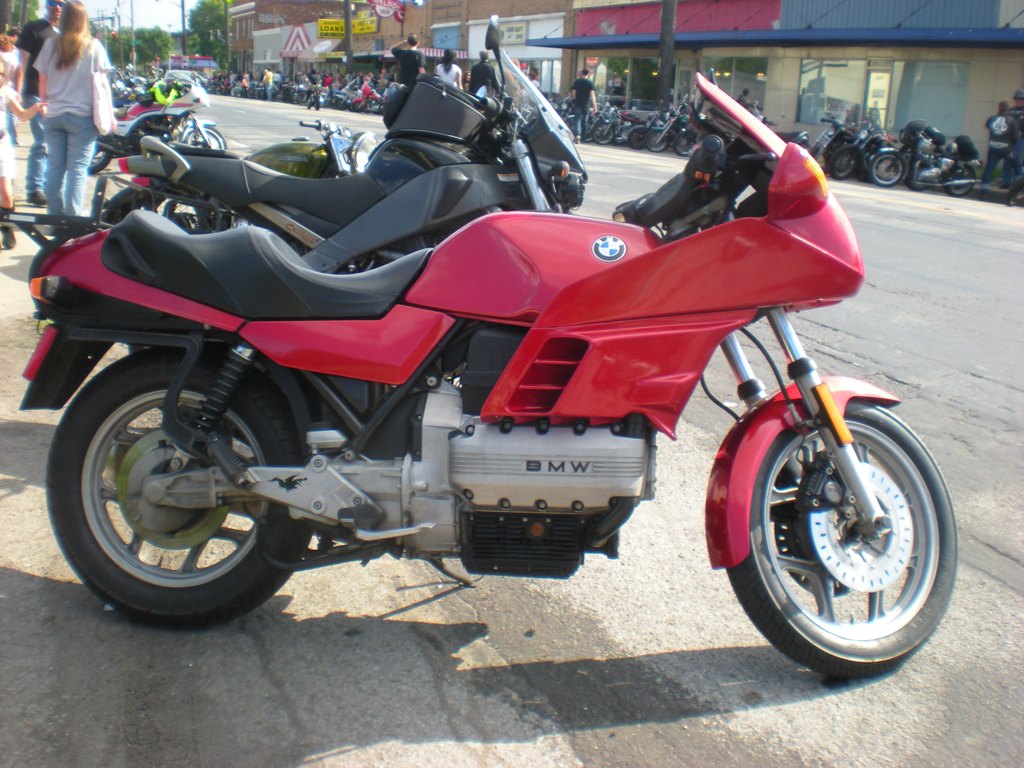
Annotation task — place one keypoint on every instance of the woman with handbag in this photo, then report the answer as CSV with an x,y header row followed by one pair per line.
x,y
66,65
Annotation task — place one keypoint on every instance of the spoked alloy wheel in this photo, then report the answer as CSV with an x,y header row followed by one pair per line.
x,y
657,141
124,202
163,564
886,170
811,582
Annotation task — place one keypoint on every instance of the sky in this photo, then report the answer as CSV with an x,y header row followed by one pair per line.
x,y
165,14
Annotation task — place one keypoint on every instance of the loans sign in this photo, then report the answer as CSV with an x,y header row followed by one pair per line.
x,y
335,28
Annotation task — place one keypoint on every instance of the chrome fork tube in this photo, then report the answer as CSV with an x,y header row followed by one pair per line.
x,y
804,374
749,388
524,163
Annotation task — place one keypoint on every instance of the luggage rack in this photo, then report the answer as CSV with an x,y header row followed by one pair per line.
x,y
50,232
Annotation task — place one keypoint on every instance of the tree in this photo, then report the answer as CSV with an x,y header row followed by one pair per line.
x,y
206,28
150,44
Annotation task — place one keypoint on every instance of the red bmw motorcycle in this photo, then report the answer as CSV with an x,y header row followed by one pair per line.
x,y
495,400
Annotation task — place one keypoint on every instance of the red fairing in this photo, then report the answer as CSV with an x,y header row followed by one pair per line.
x,y
387,350
79,261
731,486
602,372
510,266
42,350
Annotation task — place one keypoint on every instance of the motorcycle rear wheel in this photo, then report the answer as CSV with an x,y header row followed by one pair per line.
x,y
793,598
124,202
165,565
637,137
963,173
100,159
886,170
844,163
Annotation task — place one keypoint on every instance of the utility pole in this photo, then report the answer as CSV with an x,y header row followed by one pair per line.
x,y
348,38
666,63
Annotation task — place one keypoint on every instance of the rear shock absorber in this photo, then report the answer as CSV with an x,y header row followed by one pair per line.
x,y
218,446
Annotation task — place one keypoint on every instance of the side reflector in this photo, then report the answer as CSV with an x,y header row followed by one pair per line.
x,y
42,348
833,414
122,164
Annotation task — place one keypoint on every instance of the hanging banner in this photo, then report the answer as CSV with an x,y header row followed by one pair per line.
x,y
335,28
387,9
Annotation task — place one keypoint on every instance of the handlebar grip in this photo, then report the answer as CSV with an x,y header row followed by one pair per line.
x,y
307,124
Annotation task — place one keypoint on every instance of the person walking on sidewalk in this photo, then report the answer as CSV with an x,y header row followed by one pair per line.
x,y
585,101
12,63
65,67
30,43
9,105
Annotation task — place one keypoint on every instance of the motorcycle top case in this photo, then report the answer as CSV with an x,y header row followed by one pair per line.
x,y
432,108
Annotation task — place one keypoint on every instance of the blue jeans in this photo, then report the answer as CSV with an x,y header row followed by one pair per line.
x,y
35,174
12,127
581,122
1014,166
71,140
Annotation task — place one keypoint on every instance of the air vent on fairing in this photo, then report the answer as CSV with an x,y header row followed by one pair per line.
x,y
548,376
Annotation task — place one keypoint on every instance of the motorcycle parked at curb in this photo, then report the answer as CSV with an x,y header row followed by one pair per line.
x,y
340,152
933,162
448,157
675,133
856,157
500,410
174,122
616,127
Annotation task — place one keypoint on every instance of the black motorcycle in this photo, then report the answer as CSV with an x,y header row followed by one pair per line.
x,y
676,133
855,157
449,157
616,129
934,162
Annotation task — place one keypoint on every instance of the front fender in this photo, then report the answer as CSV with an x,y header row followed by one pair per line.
x,y
734,473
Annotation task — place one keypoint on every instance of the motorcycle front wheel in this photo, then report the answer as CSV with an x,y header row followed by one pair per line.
x,y
844,163
683,145
100,159
194,138
793,584
886,170
164,564
656,141
1015,195
604,133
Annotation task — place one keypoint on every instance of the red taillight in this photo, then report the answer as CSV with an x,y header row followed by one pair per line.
x,y
798,187
122,164
141,181
42,348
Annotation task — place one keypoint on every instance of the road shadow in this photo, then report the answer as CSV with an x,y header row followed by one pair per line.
x,y
25,445
90,687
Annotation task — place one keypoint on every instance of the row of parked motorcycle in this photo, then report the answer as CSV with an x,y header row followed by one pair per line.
x,y
921,156
355,95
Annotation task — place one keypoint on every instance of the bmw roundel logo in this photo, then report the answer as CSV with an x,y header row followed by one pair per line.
x,y
609,248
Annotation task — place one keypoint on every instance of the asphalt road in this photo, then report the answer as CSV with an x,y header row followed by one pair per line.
x,y
643,661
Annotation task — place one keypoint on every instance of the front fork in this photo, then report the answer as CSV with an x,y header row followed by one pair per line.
x,y
824,413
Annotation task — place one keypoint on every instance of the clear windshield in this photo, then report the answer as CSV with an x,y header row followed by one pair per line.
x,y
527,98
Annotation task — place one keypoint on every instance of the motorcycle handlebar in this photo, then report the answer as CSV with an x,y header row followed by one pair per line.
x,y
316,124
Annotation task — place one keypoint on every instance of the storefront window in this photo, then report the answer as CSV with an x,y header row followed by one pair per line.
x,y
736,74
830,87
933,91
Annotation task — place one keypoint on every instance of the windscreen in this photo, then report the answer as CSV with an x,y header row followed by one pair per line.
x,y
719,113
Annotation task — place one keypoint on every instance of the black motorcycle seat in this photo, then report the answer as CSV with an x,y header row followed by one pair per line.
x,y
239,183
250,272
191,151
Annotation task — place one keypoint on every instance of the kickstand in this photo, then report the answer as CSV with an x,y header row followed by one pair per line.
x,y
462,578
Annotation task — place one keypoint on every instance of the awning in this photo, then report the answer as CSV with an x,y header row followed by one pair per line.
x,y
319,50
1001,37
430,53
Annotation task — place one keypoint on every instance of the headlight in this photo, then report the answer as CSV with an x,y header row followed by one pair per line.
x,y
362,150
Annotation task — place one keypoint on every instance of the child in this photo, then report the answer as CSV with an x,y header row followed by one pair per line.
x,y
9,101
